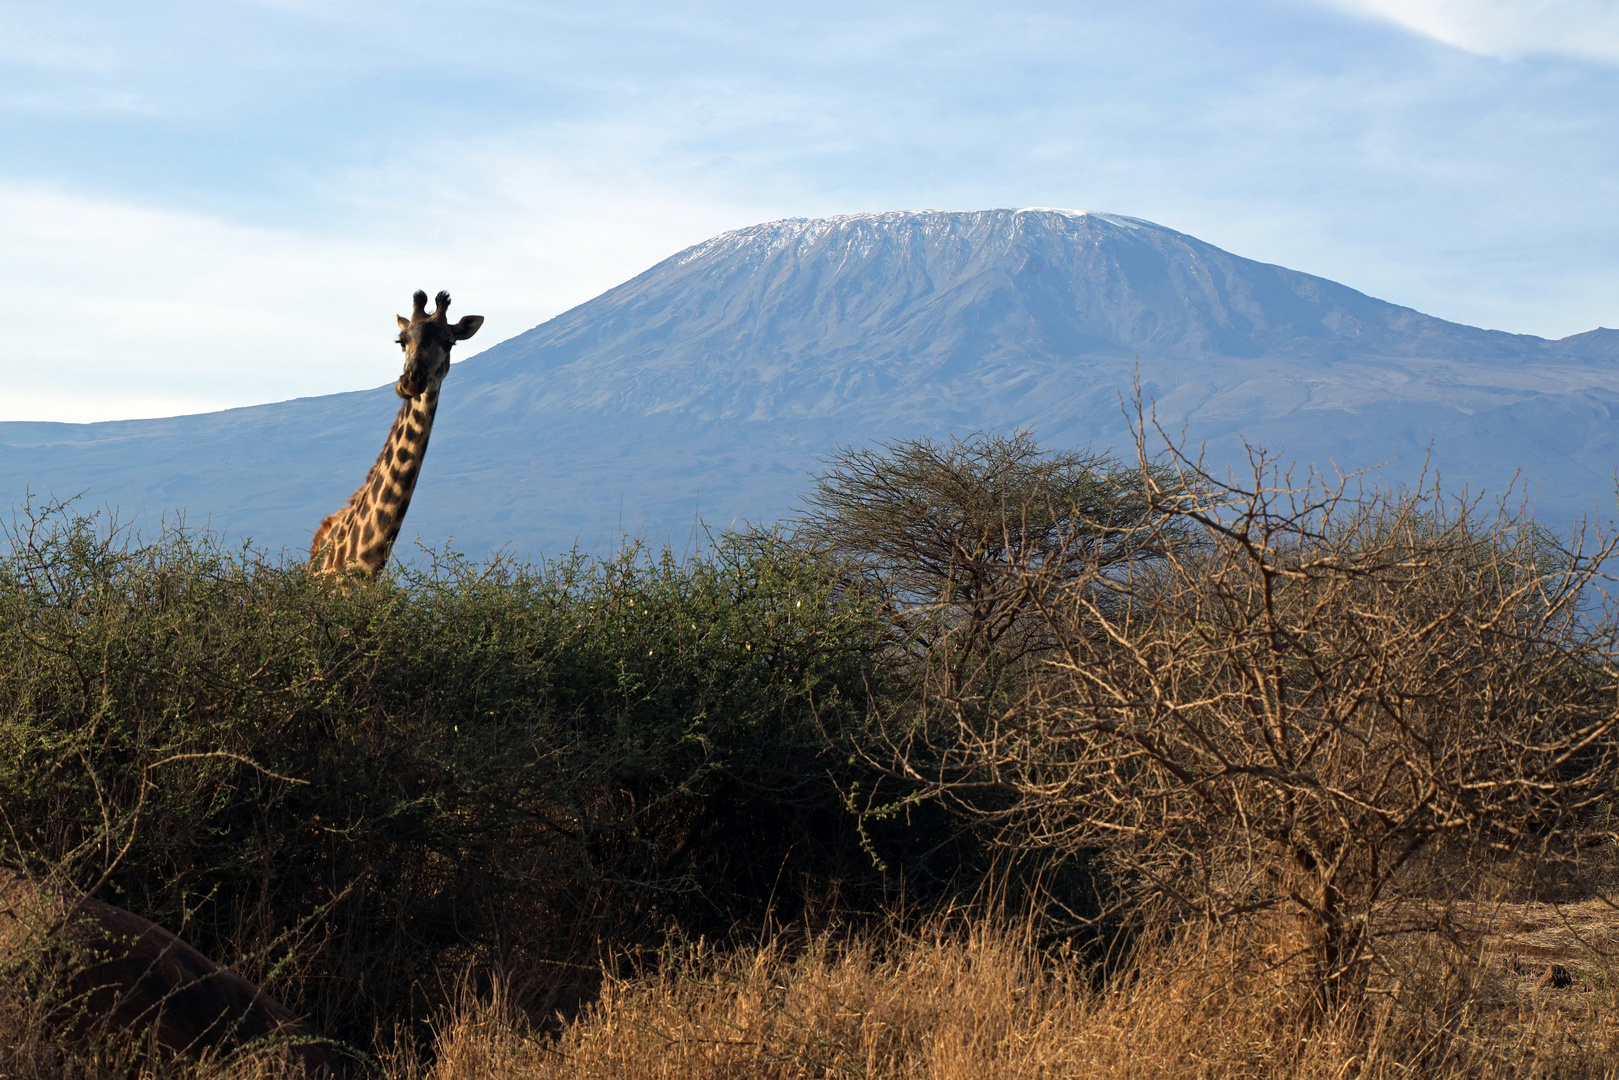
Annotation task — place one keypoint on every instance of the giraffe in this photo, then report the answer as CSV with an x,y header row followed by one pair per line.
x,y
361,535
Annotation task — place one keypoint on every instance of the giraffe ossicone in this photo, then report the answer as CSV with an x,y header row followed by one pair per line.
x,y
360,537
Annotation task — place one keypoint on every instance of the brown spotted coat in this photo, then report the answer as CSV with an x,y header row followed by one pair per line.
x,y
361,535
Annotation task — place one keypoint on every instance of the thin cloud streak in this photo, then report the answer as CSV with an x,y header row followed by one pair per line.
x,y
1509,29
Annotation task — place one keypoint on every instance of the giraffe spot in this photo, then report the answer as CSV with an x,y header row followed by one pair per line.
x,y
389,496
403,455
413,433
384,519
365,534
376,483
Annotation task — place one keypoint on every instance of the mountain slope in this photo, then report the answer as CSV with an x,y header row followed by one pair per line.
x,y
712,383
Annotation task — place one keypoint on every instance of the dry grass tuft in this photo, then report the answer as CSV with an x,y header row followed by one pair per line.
x,y
964,1003
987,1004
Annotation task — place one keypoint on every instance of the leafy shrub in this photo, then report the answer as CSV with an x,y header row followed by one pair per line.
x,y
345,788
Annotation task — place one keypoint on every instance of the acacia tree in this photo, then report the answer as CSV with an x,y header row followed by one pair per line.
x,y
1287,713
958,536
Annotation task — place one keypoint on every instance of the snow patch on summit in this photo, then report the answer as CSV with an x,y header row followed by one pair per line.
x,y
877,228
1112,219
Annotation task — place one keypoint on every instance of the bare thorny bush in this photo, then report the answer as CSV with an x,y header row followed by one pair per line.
x,y
1316,713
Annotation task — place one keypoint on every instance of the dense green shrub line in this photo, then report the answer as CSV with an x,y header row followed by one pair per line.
x,y
348,787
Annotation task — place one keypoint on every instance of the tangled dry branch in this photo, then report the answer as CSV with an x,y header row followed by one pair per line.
x,y
1319,710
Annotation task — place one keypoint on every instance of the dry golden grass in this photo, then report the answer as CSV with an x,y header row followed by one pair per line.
x,y
29,1052
978,1003
987,1005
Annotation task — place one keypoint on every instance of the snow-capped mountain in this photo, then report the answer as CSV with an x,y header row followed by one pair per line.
x,y
712,384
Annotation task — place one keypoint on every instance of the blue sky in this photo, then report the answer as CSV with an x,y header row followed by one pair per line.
x,y
220,203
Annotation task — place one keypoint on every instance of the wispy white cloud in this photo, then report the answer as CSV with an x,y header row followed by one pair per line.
x,y
144,312
1508,28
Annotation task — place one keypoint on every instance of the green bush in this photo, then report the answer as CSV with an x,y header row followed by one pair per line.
x,y
347,788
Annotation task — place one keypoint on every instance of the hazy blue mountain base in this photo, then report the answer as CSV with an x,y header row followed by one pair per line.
x,y
715,382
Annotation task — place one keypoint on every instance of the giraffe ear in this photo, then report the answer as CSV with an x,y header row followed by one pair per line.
x,y
404,323
467,327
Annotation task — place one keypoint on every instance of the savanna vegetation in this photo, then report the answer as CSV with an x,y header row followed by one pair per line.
x,y
993,762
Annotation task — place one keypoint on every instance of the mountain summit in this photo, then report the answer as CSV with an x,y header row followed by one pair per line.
x,y
710,385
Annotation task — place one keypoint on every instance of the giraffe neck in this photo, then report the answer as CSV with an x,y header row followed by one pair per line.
x,y
361,535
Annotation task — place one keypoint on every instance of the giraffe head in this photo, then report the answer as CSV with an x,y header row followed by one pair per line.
x,y
426,340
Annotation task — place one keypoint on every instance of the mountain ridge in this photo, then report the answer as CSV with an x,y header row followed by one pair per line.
x,y
732,366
